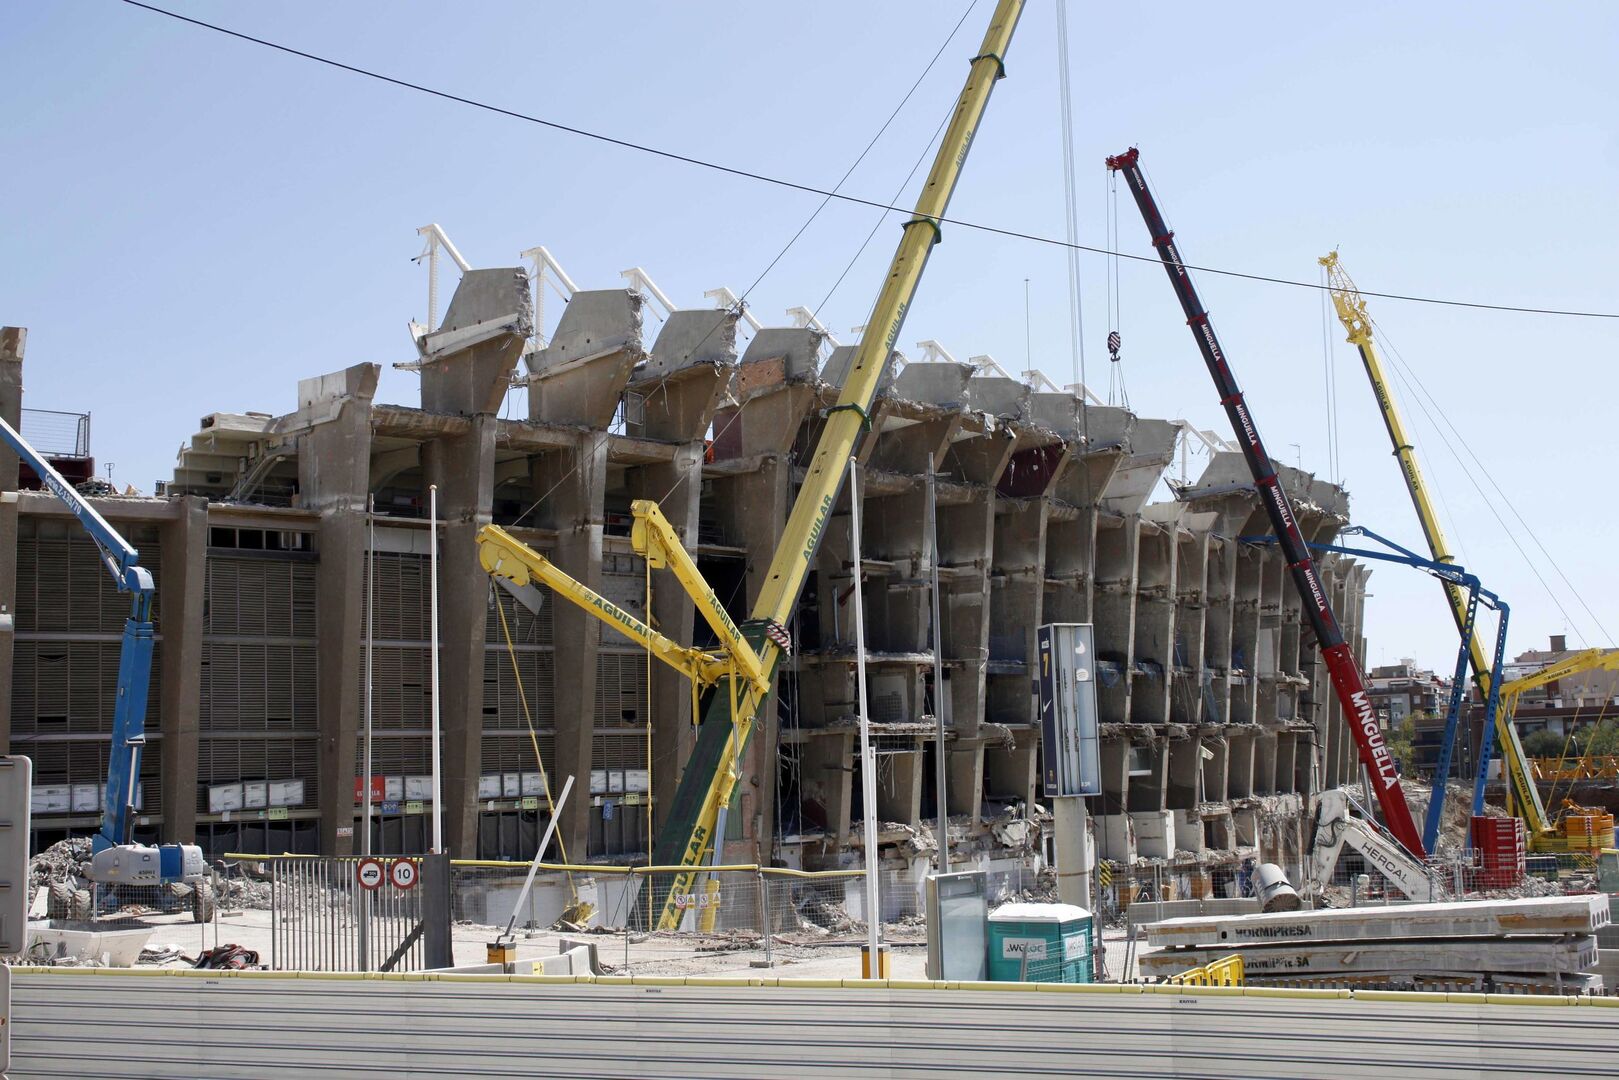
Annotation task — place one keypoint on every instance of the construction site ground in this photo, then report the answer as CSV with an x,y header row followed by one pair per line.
x,y
178,940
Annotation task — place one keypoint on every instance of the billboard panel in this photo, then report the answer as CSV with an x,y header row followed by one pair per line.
x,y
1068,726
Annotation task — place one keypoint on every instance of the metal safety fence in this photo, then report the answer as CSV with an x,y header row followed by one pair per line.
x,y
348,914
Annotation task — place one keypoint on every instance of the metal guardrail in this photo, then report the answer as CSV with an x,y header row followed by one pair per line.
x,y
57,434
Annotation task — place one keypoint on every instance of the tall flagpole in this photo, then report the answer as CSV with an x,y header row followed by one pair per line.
x,y
432,562
868,760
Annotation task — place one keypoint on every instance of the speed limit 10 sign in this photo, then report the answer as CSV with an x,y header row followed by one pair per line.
x,y
369,873
402,873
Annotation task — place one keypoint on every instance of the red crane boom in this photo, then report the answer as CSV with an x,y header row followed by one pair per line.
x,y
1347,680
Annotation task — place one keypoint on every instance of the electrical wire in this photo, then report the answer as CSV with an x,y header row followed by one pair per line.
x,y
1500,492
1506,530
810,189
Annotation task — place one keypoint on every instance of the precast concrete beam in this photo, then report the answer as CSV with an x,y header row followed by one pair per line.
x,y
1152,448
775,388
1004,399
467,363
935,383
685,376
837,364
580,375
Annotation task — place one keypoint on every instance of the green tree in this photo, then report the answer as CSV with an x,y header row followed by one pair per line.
x,y
1600,740
1401,744
1543,744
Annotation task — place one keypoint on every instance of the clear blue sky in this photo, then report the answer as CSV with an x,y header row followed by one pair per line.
x,y
194,222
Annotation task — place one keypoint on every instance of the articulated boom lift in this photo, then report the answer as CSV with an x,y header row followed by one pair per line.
x,y
1340,660
737,679
115,857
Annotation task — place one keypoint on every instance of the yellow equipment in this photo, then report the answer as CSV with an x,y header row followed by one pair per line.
x,y
1227,971
1521,790
737,677
503,555
1351,308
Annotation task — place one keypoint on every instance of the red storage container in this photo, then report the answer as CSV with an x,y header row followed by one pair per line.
x,y
1502,849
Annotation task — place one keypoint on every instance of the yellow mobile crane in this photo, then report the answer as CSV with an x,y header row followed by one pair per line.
x,y
1543,835
736,678
1579,828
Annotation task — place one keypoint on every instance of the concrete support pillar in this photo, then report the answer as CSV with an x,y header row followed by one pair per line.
x,y
967,781
1185,771
13,342
1216,752
463,467
334,454
1240,776
576,510
826,783
1074,857
181,581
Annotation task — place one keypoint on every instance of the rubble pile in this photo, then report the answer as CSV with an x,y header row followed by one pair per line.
x,y
60,863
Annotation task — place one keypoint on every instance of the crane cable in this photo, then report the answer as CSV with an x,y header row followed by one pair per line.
x,y
534,739
1116,393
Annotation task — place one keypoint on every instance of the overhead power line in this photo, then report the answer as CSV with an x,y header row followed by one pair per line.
x,y
810,189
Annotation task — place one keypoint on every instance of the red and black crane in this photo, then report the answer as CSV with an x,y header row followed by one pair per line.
x,y
1347,680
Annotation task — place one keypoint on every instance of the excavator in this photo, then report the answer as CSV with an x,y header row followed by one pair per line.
x,y
731,682
115,858
1544,835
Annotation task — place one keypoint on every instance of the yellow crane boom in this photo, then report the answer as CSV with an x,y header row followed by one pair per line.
x,y
503,555
737,677
711,772
1351,308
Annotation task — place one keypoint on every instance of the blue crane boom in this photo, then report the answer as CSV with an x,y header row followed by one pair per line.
x,y
127,861
1452,574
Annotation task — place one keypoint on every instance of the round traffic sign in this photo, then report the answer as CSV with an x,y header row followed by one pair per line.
x,y
402,873
368,873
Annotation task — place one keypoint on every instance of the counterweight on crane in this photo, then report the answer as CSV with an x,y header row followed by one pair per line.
x,y
1342,668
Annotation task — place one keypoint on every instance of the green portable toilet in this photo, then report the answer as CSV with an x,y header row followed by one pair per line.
x,y
1040,943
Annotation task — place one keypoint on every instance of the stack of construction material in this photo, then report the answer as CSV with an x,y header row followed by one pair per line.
x,y
1503,850
1544,943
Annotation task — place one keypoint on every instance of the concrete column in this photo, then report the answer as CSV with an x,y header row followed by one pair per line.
x,y
13,342
1073,852
1185,768
181,582
334,453
576,510
463,467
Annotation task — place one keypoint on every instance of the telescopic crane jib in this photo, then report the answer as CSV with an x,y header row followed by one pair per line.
x,y
1345,673
730,702
1351,309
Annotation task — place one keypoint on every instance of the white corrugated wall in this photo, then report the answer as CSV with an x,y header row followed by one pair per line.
x,y
182,1024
